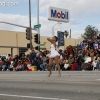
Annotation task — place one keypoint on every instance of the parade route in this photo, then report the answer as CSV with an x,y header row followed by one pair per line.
x,y
82,85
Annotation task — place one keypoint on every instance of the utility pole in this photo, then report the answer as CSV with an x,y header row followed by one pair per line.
x,y
70,33
38,30
30,25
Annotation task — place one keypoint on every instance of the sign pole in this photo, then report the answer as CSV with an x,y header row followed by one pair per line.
x,y
52,31
38,29
59,28
30,24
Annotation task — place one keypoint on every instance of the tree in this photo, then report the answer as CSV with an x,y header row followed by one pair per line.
x,y
90,31
66,33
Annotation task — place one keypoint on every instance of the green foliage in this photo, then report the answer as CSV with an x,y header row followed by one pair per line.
x,y
66,33
90,31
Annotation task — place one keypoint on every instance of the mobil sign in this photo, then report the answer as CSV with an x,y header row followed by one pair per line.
x,y
58,14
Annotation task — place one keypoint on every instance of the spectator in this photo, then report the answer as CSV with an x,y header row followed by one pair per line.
x,y
9,57
70,50
1,65
98,65
43,66
95,45
95,61
80,52
19,66
32,56
16,58
70,62
84,56
35,62
66,55
40,61
86,64
92,54
7,63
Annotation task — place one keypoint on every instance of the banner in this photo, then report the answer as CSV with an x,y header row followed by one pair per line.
x,y
60,36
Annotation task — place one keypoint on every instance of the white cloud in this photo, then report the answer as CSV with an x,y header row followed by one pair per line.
x,y
16,19
77,9
45,30
77,33
98,26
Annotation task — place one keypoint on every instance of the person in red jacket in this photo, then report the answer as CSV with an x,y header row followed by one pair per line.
x,y
9,57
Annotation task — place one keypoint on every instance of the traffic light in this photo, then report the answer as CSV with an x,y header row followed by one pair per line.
x,y
37,48
28,45
37,38
28,33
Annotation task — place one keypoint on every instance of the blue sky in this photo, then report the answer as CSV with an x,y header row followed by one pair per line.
x,y
21,9
82,13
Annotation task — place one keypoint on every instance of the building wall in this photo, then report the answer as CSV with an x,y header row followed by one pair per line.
x,y
18,39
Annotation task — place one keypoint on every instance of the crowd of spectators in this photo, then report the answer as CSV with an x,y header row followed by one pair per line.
x,y
85,56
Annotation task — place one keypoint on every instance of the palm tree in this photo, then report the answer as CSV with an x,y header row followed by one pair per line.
x,y
66,33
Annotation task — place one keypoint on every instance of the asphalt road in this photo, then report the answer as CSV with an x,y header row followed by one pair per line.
x,y
81,85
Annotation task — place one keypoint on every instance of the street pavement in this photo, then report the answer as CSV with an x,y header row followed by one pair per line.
x,y
72,85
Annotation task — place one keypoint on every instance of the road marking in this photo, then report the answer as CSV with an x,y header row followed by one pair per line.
x,y
31,97
98,79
